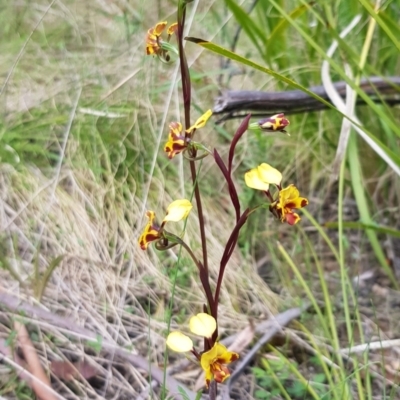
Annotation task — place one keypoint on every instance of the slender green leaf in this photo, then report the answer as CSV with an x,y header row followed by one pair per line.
x,y
243,60
183,393
284,24
247,24
363,226
235,57
380,22
394,26
41,286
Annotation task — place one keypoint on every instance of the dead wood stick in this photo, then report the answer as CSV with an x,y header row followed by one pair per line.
x,y
296,101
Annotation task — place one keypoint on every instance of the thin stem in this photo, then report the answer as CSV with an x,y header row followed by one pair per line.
x,y
230,245
212,391
200,214
202,273
185,76
186,90
191,254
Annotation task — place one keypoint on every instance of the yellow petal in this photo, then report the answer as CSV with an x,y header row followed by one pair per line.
x,y
203,324
253,180
208,358
224,355
179,342
269,174
159,28
277,122
289,193
178,210
201,121
213,362
208,376
176,142
172,28
150,232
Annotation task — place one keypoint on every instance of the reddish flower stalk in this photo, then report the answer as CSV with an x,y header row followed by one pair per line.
x,y
186,89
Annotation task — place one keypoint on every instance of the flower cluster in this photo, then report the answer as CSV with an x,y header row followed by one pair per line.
x,y
179,140
213,361
286,200
282,203
155,45
176,211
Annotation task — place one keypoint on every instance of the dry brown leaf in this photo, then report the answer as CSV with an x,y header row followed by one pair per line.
x,y
67,371
243,339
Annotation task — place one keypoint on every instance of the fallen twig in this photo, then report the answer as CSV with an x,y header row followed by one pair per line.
x,y
382,344
42,390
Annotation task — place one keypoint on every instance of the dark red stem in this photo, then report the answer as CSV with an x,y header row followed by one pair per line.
x,y
186,89
230,246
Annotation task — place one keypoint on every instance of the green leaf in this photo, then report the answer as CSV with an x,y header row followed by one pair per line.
x,y
262,394
41,286
365,226
246,23
319,378
199,394
394,26
380,22
222,51
284,24
181,390
243,60
97,344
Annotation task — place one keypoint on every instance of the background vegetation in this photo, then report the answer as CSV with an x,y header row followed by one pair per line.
x,y
84,113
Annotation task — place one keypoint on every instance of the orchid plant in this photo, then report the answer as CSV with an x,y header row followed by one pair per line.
x,y
282,202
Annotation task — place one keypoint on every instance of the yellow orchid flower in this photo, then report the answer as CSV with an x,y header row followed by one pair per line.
x,y
200,122
277,122
176,211
150,232
176,141
154,42
203,325
288,200
213,361
153,38
179,140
